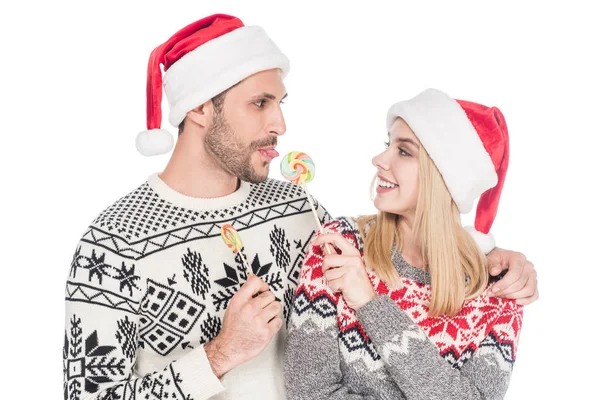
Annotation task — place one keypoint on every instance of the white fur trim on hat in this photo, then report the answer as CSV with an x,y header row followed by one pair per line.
x,y
447,134
486,242
217,65
154,142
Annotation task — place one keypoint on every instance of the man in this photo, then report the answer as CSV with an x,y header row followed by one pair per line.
x,y
157,305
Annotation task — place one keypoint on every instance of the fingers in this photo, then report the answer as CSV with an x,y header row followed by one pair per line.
x,y
338,241
527,290
519,290
274,326
337,285
528,300
502,259
262,300
496,262
515,288
335,273
509,287
269,312
528,276
252,286
496,269
337,260
514,275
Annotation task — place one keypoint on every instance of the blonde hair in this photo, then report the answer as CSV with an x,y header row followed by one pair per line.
x,y
457,266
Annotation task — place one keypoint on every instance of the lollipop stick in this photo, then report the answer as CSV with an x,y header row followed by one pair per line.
x,y
248,269
314,211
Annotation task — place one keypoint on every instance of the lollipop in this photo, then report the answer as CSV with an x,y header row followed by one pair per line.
x,y
232,239
297,167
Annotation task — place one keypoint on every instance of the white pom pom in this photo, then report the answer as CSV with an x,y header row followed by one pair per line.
x,y
486,242
154,142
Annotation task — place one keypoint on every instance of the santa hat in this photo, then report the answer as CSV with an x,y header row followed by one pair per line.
x,y
201,61
468,143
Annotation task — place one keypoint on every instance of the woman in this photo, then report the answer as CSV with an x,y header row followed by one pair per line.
x,y
401,310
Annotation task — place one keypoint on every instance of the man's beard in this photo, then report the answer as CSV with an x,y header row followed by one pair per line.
x,y
223,144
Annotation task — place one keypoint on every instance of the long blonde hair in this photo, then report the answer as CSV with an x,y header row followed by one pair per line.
x,y
457,266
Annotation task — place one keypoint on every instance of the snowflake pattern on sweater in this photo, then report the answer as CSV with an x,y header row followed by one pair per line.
x,y
151,279
383,350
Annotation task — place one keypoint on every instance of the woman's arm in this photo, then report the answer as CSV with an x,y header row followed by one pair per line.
x,y
415,362
312,358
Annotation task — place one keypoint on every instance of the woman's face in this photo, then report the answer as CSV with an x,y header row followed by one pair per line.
x,y
397,181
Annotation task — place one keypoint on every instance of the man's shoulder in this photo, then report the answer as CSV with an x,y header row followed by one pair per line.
x,y
272,184
117,219
275,191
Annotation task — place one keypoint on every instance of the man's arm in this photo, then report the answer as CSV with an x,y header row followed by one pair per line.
x,y
103,301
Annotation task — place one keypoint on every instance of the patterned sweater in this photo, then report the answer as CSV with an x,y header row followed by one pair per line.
x,y
390,348
151,279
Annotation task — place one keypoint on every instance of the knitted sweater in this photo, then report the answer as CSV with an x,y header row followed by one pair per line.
x,y
390,348
151,279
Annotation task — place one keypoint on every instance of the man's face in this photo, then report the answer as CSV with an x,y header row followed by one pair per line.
x,y
244,130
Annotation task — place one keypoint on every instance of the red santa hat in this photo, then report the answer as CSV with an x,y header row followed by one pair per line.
x,y
468,143
201,61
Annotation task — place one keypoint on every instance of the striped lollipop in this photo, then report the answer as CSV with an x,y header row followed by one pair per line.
x,y
298,167
232,239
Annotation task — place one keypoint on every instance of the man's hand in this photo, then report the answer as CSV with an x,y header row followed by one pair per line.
x,y
520,282
249,324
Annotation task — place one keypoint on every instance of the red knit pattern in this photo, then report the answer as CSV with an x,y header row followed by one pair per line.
x,y
452,335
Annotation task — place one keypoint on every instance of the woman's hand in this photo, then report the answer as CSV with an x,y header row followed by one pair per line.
x,y
346,273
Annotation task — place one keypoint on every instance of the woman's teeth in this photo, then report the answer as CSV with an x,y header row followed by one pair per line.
x,y
385,184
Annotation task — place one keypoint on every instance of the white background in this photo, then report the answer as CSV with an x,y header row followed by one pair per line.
x,y
73,99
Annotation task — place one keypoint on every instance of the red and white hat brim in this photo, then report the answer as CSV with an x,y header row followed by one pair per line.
x,y
452,142
217,65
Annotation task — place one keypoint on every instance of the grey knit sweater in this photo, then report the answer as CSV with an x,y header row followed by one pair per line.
x,y
391,349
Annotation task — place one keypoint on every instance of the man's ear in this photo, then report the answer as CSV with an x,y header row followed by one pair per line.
x,y
202,115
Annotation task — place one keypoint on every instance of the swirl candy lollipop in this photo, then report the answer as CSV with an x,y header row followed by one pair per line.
x,y
232,239
297,167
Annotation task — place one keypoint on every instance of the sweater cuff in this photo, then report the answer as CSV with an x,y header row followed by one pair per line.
x,y
197,376
382,319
